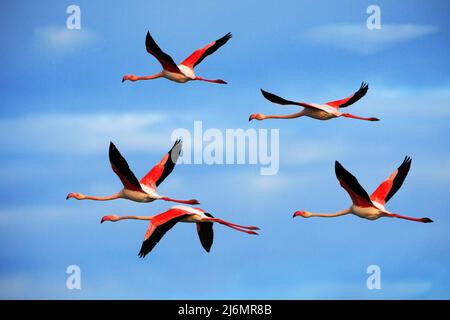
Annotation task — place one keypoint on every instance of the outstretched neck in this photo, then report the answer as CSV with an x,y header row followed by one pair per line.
x,y
287,116
151,77
331,215
106,198
135,217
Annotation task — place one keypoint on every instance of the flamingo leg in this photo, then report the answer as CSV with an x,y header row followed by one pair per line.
x,y
348,115
192,201
394,215
213,81
233,226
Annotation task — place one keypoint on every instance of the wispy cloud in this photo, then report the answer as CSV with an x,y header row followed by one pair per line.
x,y
359,39
60,40
83,133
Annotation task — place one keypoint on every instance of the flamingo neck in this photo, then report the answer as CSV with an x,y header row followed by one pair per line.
x,y
135,217
106,198
330,215
151,77
287,116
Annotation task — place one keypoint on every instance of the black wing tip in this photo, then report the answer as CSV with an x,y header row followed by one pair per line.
x,y
339,168
142,252
148,39
269,96
228,36
364,88
407,159
178,142
112,148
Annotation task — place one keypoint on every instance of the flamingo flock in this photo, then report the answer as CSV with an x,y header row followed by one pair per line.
x,y
145,190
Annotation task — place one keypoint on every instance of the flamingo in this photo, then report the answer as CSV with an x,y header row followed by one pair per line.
x,y
325,111
163,222
183,72
363,206
144,190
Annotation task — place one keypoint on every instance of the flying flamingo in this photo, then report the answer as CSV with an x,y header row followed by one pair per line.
x,y
325,111
183,72
163,222
144,190
363,206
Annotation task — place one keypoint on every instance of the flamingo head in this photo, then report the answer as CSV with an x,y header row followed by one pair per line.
x,y
130,77
304,214
257,116
373,119
111,218
75,195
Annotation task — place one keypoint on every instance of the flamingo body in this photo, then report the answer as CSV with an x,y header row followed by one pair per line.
x,y
317,111
144,190
183,72
364,206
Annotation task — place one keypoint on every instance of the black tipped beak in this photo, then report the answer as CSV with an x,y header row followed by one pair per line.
x,y
101,221
123,80
249,119
294,215
427,220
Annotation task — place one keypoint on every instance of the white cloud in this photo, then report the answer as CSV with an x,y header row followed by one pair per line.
x,y
83,133
359,39
60,40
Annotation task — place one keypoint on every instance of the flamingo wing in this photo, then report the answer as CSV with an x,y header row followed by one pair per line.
x,y
391,185
351,99
279,100
163,58
123,171
351,185
158,227
197,56
206,233
164,167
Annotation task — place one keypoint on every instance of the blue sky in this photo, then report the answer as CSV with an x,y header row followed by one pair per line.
x,y
63,101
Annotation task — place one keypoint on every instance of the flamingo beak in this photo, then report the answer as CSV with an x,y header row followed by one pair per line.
x,y
250,118
297,213
105,218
